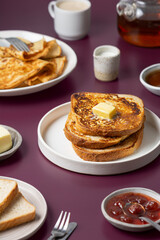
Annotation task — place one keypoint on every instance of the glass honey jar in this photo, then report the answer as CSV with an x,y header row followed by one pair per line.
x,y
139,22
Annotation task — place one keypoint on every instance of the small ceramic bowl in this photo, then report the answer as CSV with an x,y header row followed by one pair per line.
x,y
144,73
16,140
123,225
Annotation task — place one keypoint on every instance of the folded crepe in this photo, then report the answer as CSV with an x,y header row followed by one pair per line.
x,y
13,71
43,62
39,49
58,65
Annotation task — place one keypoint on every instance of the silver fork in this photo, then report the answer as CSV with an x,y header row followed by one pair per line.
x,y
17,43
60,228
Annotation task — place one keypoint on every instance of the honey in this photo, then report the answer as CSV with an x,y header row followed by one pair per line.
x,y
144,33
153,78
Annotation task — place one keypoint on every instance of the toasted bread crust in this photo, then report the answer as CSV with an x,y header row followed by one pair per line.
x,y
98,139
125,148
17,221
88,141
12,217
129,117
10,196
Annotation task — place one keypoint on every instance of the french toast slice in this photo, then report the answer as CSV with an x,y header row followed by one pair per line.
x,y
88,141
128,119
121,150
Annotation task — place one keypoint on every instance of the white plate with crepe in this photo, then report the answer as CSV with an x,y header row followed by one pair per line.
x,y
26,230
33,37
56,148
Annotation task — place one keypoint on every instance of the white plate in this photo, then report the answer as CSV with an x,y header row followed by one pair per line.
x,y
56,148
68,51
27,230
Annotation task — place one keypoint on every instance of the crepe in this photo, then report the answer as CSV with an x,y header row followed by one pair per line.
x,y
14,72
52,50
39,49
42,63
59,62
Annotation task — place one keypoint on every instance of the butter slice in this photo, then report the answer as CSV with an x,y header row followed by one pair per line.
x,y
5,139
104,110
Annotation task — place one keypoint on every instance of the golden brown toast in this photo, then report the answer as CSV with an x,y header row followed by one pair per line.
x,y
88,141
128,119
121,150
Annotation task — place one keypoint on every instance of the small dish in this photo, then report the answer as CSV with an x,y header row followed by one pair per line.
x,y
16,140
128,226
143,75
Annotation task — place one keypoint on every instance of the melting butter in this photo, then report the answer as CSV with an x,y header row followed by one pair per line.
x,y
104,110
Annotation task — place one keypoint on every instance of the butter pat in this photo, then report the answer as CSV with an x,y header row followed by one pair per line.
x,y
5,139
104,110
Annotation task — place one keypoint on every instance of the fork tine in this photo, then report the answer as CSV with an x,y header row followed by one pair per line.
x,y
25,47
61,226
62,223
12,42
67,222
58,221
22,45
18,44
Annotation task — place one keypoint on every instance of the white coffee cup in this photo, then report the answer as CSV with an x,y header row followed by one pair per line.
x,y
106,61
71,18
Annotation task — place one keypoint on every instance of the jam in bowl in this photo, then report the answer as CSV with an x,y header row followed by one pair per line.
x,y
124,208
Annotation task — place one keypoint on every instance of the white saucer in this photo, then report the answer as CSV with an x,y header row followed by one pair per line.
x,y
16,140
25,231
33,37
56,148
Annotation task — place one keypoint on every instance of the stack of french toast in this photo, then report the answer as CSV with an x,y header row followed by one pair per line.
x,y
105,127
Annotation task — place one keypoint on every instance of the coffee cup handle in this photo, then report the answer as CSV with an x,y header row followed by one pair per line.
x,y
51,8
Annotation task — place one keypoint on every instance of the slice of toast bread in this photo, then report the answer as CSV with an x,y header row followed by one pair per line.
x,y
18,212
88,141
128,119
8,191
121,150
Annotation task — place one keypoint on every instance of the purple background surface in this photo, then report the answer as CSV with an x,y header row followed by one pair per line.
x,y
81,194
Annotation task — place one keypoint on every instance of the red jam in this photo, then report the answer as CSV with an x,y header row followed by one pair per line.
x,y
116,205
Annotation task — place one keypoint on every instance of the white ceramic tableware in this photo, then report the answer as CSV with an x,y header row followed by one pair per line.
x,y
34,196
71,18
58,149
33,37
123,225
16,141
144,73
106,61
